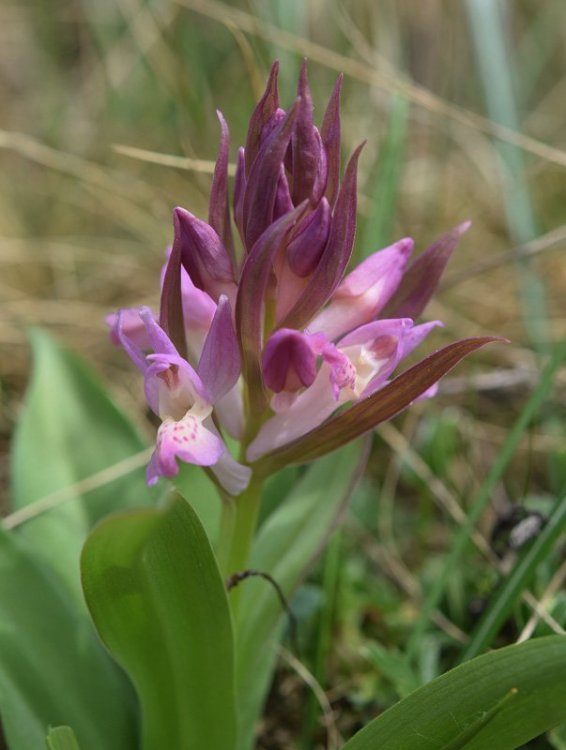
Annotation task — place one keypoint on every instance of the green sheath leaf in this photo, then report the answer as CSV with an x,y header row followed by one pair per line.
x,y
54,670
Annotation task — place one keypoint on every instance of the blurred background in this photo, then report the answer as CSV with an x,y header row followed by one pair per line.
x,y
108,122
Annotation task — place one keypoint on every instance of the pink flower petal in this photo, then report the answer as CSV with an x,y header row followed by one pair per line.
x,y
365,291
187,440
219,364
309,410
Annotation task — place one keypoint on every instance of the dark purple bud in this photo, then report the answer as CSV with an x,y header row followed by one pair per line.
x,y
336,255
276,119
171,317
421,278
239,192
321,176
261,188
288,361
305,249
266,106
283,202
218,208
202,254
306,146
330,134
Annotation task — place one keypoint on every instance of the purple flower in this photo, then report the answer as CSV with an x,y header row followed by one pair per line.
x,y
270,341
183,397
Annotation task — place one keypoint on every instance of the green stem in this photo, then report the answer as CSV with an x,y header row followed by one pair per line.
x,y
237,527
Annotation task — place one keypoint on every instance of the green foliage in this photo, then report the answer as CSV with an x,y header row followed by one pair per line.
x,y
54,669
480,501
68,431
499,700
157,599
286,546
378,229
62,738
516,582
194,485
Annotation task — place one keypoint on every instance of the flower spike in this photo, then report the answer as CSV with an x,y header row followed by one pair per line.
x,y
277,346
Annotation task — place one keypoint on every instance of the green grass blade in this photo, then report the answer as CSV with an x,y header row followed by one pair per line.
x,y
385,182
333,561
516,582
488,26
462,538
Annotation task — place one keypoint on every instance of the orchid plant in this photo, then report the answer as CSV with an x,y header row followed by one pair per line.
x,y
275,346
266,353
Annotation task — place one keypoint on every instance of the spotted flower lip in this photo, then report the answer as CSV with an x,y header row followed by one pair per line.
x,y
262,334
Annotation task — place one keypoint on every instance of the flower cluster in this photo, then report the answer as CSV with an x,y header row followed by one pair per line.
x,y
266,339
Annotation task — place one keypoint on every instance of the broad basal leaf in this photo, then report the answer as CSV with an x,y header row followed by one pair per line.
x,y
61,738
156,596
69,430
53,669
498,701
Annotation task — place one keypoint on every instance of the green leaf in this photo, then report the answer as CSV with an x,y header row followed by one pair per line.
x,y
54,669
558,738
69,430
62,738
287,545
499,700
156,596
201,493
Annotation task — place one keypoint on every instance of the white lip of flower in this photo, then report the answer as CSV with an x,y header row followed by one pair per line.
x,y
178,400
365,366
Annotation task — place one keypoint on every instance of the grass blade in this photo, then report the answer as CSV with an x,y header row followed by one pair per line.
x,y
516,582
481,500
